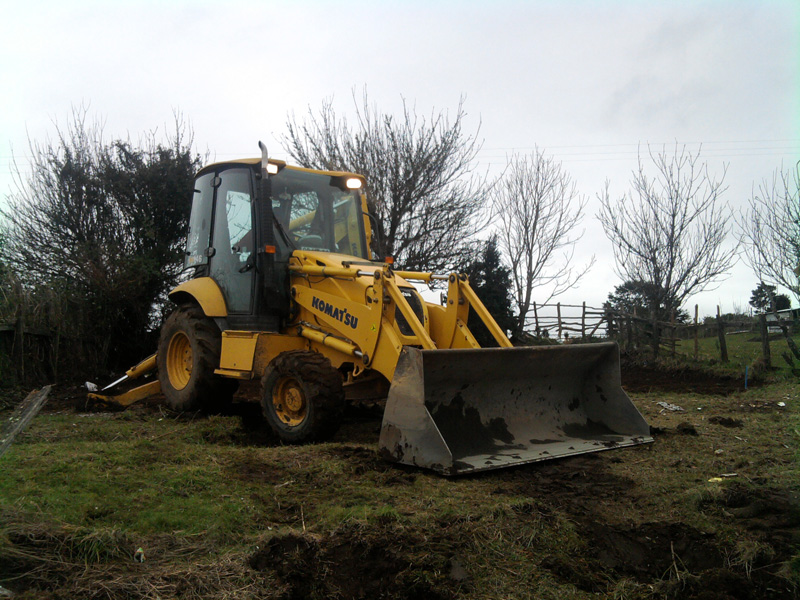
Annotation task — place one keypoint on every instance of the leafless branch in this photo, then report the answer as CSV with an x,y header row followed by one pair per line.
x,y
538,209
770,230
419,172
670,230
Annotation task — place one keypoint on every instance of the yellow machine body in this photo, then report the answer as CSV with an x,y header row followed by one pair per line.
x,y
452,406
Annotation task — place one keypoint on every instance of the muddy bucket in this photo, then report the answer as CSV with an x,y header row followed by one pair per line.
x,y
460,411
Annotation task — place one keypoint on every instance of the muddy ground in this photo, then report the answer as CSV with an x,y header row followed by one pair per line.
x,y
630,545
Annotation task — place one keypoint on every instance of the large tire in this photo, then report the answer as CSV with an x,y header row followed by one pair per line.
x,y
188,352
302,397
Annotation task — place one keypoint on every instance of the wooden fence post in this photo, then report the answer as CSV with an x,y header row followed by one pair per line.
x,y
19,346
536,320
696,332
558,312
723,347
766,354
674,332
611,330
583,322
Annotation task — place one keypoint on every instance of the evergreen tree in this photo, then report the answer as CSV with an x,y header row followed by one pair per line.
x,y
492,283
762,298
643,298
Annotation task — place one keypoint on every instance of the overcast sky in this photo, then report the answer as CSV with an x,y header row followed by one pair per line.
x,y
587,82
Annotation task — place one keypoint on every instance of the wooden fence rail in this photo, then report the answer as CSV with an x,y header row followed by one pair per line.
x,y
33,356
569,321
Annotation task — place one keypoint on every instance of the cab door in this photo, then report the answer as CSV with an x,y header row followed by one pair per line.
x,y
232,261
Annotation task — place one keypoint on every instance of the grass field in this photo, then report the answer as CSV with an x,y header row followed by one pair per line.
x,y
711,510
744,350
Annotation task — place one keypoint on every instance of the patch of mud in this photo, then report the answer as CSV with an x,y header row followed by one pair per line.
x,y
682,428
675,560
354,564
360,426
465,431
646,553
649,551
772,515
578,484
362,460
685,428
639,378
252,469
726,421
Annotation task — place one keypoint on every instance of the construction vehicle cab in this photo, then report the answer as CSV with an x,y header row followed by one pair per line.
x,y
283,291
244,228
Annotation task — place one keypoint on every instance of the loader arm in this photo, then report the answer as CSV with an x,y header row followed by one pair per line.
x,y
364,323
451,319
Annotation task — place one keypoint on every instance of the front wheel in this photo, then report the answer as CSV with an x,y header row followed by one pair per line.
x,y
302,397
188,352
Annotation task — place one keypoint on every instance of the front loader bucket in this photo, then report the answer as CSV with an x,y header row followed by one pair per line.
x,y
460,411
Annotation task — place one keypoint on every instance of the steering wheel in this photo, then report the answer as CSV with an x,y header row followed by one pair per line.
x,y
310,241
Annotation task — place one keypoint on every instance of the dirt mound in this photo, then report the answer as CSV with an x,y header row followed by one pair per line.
x,y
644,378
352,564
649,551
674,559
772,514
680,561
646,553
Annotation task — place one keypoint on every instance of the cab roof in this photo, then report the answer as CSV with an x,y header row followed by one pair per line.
x,y
257,161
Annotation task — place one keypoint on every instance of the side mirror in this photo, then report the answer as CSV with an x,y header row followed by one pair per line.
x,y
376,233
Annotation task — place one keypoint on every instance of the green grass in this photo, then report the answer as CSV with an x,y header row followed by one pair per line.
x,y
744,349
200,498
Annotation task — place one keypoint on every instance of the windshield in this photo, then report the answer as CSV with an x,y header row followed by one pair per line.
x,y
315,214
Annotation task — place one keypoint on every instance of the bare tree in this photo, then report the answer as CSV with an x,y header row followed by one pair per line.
x,y
670,230
770,233
538,209
770,230
420,185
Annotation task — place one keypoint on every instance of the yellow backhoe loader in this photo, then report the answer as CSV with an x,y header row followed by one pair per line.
x,y
284,290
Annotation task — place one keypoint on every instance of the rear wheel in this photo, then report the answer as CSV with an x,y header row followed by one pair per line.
x,y
188,353
302,397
